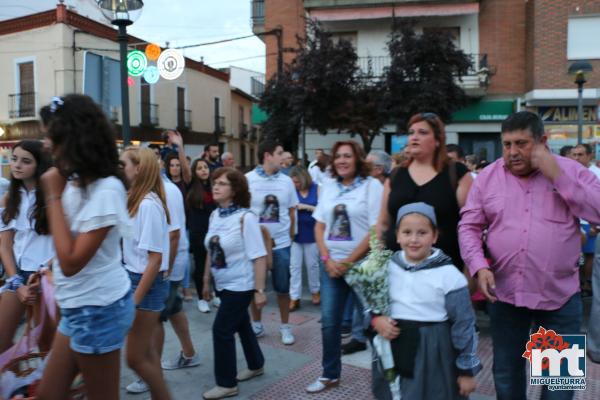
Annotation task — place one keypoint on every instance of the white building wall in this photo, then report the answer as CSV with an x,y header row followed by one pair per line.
x,y
373,35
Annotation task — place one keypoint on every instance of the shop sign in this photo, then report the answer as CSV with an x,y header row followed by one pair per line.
x,y
566,114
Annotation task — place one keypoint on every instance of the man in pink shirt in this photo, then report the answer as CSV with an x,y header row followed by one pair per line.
x,y
530,202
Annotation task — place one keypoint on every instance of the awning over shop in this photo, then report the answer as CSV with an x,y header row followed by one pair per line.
x,y
405,10
490,110
258,115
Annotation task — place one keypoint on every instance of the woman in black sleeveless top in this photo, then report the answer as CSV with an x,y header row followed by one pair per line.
x,y
430,177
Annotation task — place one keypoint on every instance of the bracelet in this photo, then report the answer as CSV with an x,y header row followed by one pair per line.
x,y
52,198
324,258
261,291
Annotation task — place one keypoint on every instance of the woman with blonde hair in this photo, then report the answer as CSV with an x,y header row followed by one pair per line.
x,y
304,247
146,257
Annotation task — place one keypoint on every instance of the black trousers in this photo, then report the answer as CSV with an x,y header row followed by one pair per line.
x,y
233,318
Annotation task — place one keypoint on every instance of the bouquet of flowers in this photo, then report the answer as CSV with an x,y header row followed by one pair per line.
x,y
369,277
369,280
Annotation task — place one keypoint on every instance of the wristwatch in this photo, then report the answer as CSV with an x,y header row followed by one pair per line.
x,y
261,291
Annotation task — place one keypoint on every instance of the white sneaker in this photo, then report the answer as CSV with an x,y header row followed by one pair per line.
x,y
287,337
216,302
203,306
258,328
138,386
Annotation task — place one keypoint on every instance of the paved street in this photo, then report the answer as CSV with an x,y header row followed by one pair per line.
x,y
289,369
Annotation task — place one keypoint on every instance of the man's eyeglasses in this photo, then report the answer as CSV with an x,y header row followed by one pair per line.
x,y
429,115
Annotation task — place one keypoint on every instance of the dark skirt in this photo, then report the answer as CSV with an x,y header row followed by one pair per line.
x,y
435,372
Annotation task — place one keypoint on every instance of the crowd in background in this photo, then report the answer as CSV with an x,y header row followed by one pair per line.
x,y
125,238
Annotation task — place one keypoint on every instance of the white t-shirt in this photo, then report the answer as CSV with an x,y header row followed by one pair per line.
x,y
272,198
421,295
348,216
30,249
595,170
177,214
103,280
150,233
319,177
231,252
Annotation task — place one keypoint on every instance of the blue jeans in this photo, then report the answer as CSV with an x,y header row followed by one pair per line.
x,y
334,292
358,321
510,328
280,273
348,312
232,317
593,338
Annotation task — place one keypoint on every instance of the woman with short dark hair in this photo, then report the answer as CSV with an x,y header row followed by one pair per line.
x,y
348,208
237,260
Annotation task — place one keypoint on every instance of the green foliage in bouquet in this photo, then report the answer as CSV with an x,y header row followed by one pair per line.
x,y
369,277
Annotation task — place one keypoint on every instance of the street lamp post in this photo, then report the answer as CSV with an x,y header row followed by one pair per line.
x,y
122,13
579,68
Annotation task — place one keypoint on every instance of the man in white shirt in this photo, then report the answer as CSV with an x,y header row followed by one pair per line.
x,y
274,200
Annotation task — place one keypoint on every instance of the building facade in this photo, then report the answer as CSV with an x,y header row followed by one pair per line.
x,y
520,53
58,52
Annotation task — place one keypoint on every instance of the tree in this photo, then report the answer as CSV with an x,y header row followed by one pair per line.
x,y
361,114
315,88
422,75
283,122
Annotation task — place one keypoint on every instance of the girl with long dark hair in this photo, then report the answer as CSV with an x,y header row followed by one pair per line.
x,y
200,204
25,243
87,214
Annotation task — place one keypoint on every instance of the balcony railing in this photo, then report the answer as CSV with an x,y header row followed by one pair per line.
x,y
253,134
373,67
258,86
258,12
184,119
149,114
243,130
219,124
21,105
476,77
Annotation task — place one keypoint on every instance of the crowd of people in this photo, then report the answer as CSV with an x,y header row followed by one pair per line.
x,y
120,235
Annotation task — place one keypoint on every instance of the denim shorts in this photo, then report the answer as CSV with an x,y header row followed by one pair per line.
x,y
174,303
12,287
155,298
280,274
98,329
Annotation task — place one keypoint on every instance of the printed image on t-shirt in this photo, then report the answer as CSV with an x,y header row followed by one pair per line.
x,y
270,212
217,255
340,228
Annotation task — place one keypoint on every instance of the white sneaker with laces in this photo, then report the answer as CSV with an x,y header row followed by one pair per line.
x,y
258,328
203,306
216,302
287,337
138,386
181,362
